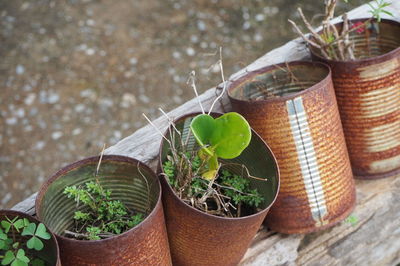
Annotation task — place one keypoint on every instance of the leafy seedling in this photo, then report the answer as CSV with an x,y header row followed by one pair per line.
x,y
15,223
18,259
37,233
3,240
223,137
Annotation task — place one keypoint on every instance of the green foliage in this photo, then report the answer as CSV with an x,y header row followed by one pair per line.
x,y
169,170
226,136
99,216
378,8
234,188
238,189
15,248
223,137
352,219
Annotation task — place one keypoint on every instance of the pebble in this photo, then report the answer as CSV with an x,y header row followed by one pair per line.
x,y
39,145
259,17
176,54
128,99
90,51
201,25
20,69
76,131
144,98
133,61
56,135
190,51
11,121
90,22
20,112
6,198
88,93
30,99
53,98
79,108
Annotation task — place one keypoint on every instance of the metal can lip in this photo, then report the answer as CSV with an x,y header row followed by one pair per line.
x,y
77,164
250,75
210,216
31,218
364,61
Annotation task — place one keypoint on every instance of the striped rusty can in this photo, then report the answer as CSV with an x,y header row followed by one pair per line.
x,y
368,95
198,238
131,182
293,107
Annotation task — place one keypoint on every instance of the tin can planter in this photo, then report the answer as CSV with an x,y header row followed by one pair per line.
x,y
50,253
131,182
368,95
198,238
293,108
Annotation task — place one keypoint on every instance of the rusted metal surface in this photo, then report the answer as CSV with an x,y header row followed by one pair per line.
x,y
197,238
50,252
293,108
368,95
145,244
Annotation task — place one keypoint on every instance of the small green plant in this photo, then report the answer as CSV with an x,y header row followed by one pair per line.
x,y
224,137
199,175
224,195
352,219
378,8
335,43
99,216
18,239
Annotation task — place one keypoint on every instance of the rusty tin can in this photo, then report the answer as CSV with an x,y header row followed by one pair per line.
x,y
197,238
368,95
293,108
130,181
50,253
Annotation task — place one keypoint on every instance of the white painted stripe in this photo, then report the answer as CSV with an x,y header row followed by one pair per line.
x,y
307,159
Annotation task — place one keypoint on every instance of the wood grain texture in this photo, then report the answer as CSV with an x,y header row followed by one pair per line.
x,y
373,240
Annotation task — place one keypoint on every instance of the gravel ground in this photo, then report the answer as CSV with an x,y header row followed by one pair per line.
x,y
76,74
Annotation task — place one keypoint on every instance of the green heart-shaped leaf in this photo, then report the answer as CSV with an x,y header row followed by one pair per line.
x,y
42,232
227,135
3,236
18,262
38,262
26,222
202,127
15,245
8,258
6,225
35,243
18,224
21,256
29,230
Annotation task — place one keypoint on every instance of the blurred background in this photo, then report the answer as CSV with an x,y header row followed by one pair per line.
x,y
76,74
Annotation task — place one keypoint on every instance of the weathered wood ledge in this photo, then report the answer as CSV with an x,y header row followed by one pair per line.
x,y
372,238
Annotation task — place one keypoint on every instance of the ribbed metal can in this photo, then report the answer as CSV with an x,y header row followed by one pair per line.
x,y
368,95
293,108
197,238
130,181
50,253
